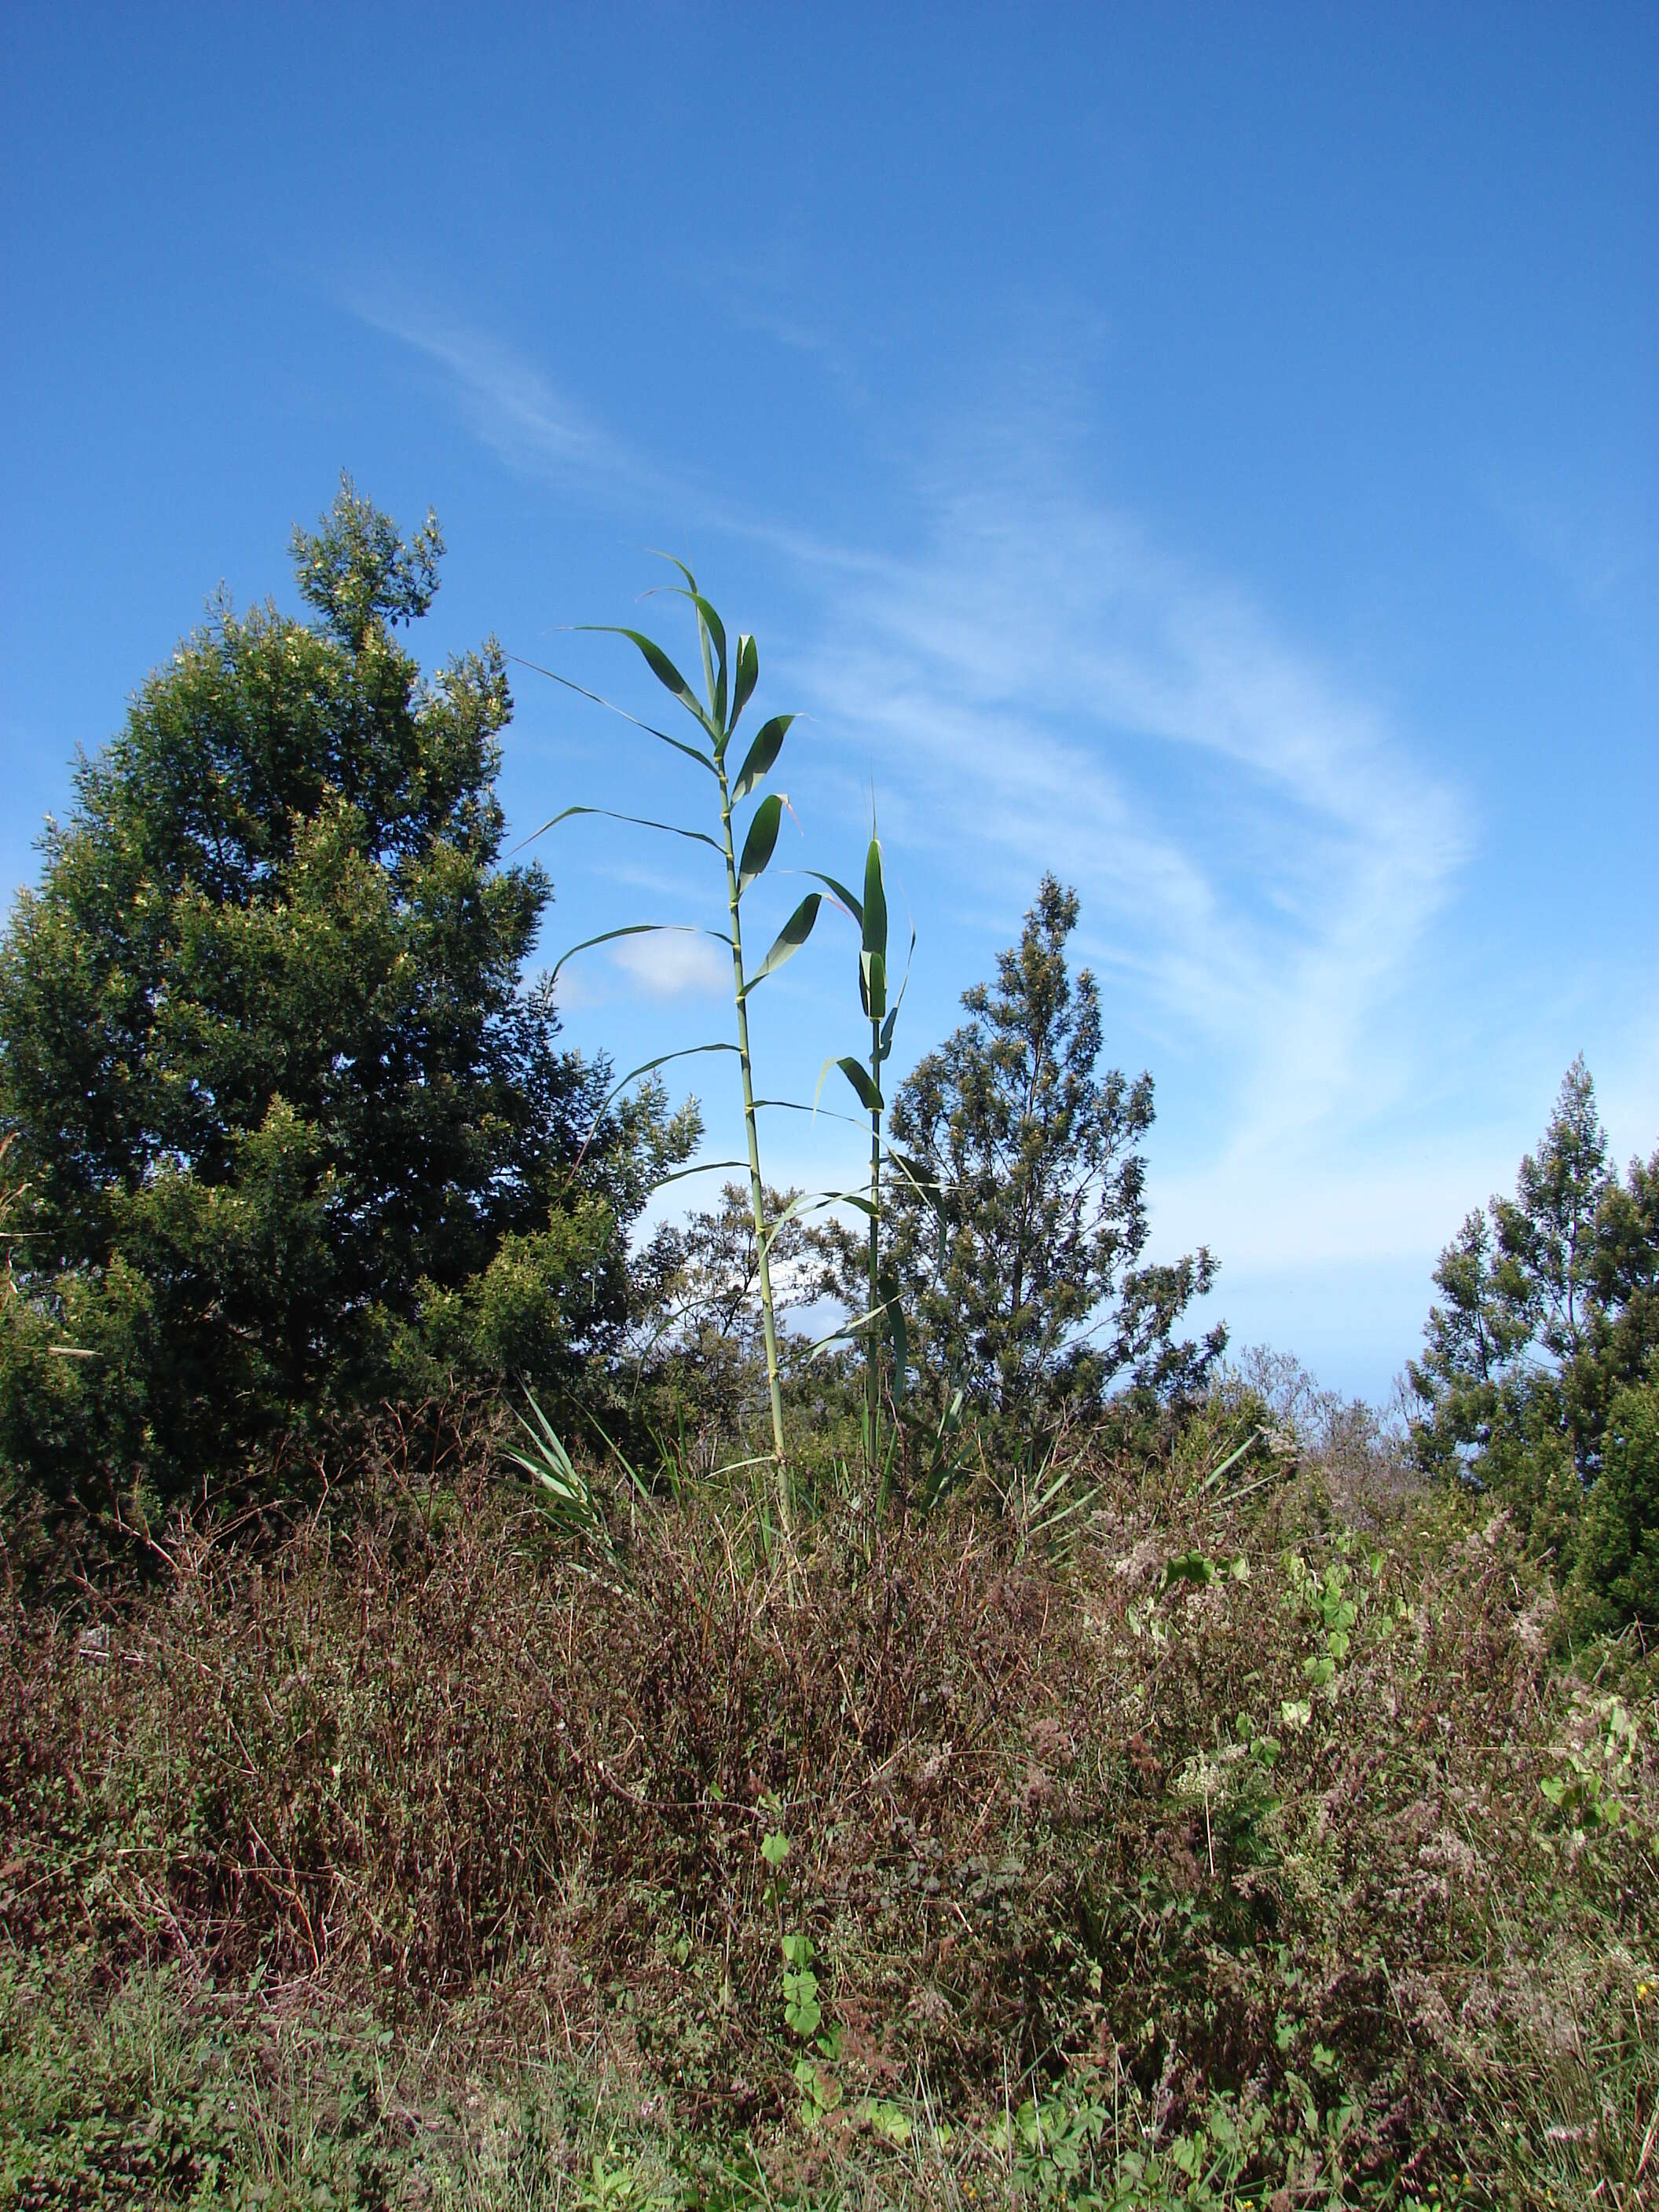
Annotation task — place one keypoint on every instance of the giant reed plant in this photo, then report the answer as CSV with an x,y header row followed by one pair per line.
x,y
884,1323
729,682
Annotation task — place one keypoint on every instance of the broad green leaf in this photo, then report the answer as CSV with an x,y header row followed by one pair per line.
x,y
789,940
769,744
875,903
746,678
711,621
759,845
636,929
821,1203
639,820
919,1178
869,1097
710,631
582,692
887,1041
661,667
844,1334
1189,1567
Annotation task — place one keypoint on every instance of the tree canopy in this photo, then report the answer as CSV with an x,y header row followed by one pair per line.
x,y
1017,1205
290,1128
1539,1373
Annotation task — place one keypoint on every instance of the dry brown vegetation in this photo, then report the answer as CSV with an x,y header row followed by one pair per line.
x,y
1095,1819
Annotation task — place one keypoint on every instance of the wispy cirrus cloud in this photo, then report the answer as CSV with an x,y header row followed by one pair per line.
x,y
506,401
1261,851
1258,850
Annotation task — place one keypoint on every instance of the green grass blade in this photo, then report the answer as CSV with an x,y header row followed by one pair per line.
x,y
646,1068
674,562
794,1106
808,1204
869,1097
885,1045
872,984
711,635
898,1335
703,1167
859,1076
769,744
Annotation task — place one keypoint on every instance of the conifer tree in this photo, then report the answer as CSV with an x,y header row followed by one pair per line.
x,y
1540,1374
1018,1212
292,1131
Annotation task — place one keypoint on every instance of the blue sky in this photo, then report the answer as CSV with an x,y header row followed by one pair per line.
x,y
1210,453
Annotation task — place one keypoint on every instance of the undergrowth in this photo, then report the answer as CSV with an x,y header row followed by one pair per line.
x,y
1219,1854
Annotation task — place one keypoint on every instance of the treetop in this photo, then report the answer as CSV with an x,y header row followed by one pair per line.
x,y
356,571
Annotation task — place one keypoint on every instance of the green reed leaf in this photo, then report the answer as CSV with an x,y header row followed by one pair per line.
x,y
858,1075
581,690
853,905
761,842
747,677
898,1334
769,744
638,822
637,929
789,940
874,918
661,666
872,984
645,1067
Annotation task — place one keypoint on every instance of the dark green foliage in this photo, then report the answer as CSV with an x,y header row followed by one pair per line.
x,y
1018,1210
1550,1320
293,1134
1617,1577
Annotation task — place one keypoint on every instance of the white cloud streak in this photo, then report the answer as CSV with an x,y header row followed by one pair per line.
x,y
673,966
508,405
1256,849
1260,853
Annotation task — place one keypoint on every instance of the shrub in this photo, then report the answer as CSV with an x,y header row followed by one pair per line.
x,y
1232,1808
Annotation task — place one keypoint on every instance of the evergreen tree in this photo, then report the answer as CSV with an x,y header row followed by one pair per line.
x,y
1616,1577
293,1134
1471,1344
1550,1323
1019,1214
